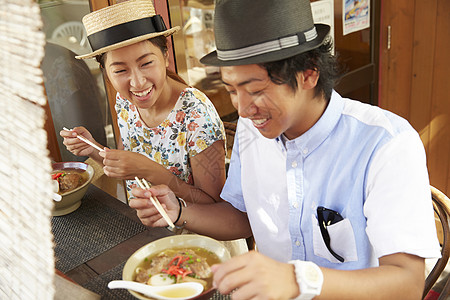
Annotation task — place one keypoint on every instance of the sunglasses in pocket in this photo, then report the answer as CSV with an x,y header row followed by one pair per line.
x,y
327,217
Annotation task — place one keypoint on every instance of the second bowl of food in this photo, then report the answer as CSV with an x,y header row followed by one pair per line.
x,y
72,180
174,259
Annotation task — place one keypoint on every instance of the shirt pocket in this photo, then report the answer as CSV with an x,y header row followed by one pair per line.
x,y
342,241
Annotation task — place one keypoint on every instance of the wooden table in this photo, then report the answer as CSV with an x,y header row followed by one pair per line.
x,y
93,243
98,203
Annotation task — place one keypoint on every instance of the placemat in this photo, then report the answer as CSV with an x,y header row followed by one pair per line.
x,y
99,285
90,230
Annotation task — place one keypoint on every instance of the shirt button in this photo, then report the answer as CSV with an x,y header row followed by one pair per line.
x,y
295,205
305,151
294,164
297,243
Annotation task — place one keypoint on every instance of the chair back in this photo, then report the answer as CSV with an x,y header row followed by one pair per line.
x,y
441,205
73,31
230,131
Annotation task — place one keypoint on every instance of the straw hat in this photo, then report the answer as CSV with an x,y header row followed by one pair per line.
x,y
252,32
123,24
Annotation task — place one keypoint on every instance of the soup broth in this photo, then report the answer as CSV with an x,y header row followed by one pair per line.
x,y
178,293
195,260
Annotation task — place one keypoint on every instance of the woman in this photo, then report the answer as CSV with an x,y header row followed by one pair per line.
x,y
171,133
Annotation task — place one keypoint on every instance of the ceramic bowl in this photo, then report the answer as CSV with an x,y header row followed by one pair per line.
x,y
72,200
176,241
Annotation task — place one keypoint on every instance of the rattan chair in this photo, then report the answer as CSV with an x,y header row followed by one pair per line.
x,y
441,204
230,131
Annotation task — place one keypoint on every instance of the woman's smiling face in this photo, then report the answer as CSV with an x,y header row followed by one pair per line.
x,y
273,108
138,72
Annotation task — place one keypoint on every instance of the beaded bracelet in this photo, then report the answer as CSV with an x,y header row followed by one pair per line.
x,y
182,203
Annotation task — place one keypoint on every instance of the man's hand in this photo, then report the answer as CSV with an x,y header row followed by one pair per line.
x,y
255,276
147,212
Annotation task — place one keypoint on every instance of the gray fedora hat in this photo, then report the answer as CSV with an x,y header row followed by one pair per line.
x,y
252,32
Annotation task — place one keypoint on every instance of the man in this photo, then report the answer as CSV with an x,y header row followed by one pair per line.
x,y
335,192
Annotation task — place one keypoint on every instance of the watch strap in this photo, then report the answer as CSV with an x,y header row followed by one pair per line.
x,y
309,279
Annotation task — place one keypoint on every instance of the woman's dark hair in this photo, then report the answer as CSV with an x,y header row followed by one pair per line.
x,y
320,59
161,43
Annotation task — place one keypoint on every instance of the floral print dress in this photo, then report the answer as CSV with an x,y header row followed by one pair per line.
x,y
192,126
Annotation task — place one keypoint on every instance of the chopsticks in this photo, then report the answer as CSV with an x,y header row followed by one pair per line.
x,y
86,140
145,185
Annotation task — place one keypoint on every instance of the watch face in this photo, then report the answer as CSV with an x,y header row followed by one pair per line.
x,y
311,274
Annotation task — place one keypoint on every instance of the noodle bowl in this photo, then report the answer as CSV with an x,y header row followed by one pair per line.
x,y
191,253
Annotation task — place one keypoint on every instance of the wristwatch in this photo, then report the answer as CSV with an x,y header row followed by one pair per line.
x,y
309,279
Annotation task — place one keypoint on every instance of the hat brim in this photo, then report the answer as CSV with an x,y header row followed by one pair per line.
x,y
129,42
322,32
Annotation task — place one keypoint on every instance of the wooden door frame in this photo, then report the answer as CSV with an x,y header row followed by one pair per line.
x,y
368,74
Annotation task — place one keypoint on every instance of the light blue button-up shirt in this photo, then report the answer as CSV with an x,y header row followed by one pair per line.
x,y
359,160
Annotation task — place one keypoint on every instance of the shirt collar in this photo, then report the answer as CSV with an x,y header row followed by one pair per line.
x,y
312,138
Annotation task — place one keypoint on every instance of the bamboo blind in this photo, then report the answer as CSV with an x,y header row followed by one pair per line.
x,y
26,242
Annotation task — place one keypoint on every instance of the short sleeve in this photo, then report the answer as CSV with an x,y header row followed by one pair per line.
x,y
203,124
398,202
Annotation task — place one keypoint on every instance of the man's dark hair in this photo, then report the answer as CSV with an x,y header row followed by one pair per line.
x,y
320,59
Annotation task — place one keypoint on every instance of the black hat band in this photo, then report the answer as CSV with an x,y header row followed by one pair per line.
x,y
126,31
271,46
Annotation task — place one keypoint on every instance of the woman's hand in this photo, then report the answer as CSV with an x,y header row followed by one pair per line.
x,y
77,146
124,164
255,276
147,212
